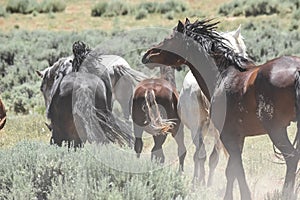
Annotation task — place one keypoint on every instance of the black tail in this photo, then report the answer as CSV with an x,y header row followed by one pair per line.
x,y
297,89
96,124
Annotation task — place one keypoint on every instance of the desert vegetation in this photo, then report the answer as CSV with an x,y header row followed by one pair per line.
x,y
34,34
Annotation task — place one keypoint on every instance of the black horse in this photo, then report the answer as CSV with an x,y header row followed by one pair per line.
x,y
81,103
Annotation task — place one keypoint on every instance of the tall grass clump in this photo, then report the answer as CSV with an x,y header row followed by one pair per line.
x,y
141,14
30,6
256,7
151,7
21,6
51,6
32,170
117,7
111,9
99,9
171,5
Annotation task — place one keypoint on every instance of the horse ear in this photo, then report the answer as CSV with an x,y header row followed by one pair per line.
x,y
187,21
237,32
39,73
180,27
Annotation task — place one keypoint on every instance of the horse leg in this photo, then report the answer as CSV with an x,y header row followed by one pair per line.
x,y
234,144
213,162
199,156
280,139
214,156
125,108
157,151
178,134
138,143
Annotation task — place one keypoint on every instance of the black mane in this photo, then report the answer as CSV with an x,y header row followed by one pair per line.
x,y
204,33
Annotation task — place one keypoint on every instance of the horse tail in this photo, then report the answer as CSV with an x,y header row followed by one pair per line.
x,y
97,124
160,125
297,89
122,70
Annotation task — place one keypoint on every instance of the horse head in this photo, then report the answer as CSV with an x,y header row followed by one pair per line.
x,y
169,51
175,49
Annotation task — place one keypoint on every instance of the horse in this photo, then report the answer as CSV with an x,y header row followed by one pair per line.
x,y
80,104
154,110
123,78
193,110
260,99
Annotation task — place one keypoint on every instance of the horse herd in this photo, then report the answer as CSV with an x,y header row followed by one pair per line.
x,y
224,92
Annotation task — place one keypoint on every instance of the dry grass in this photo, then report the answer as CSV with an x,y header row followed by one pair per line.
x,y
77,17
263,174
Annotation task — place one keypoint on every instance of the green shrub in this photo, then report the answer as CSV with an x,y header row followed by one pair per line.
x,y
172,5
21,6
142,13
99,9
151,7
169,15
49,6
34,170
111,9
256,7
262,7
29,6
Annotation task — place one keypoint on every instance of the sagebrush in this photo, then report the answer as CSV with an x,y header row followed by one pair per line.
x,y
32,170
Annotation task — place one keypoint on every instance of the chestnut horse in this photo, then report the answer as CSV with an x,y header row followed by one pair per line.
x,y
261,99
193,108
154,109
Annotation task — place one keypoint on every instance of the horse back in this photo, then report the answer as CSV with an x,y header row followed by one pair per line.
x,y
165,95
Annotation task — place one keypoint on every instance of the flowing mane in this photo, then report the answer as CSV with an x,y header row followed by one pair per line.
x,y
204,33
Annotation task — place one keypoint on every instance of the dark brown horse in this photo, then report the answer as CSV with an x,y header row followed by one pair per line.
x,y
154,109
79,103
260,99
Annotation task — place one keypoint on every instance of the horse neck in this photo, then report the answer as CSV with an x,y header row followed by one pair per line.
x,y
168,73
204,70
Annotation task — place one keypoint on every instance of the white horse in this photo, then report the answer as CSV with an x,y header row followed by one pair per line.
x,y
193,108
123,79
